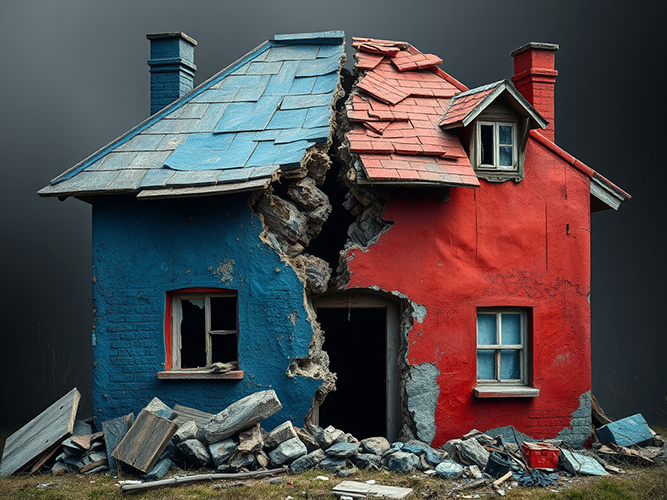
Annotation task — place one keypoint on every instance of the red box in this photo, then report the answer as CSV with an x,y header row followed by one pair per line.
x,y
541,455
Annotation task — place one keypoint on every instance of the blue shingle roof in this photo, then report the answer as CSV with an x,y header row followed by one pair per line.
x,y
256,116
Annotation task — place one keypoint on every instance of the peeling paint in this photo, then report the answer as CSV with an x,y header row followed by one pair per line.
x,y
580,426
224,270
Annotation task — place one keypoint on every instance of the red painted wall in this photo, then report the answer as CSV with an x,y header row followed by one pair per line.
x,y
502,244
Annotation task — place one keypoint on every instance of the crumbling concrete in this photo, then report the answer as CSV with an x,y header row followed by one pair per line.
x,y
423,391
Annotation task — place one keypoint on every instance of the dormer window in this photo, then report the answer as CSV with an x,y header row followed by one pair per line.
x,y
496,147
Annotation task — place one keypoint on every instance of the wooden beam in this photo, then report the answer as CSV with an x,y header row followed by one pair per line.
x,y
41,434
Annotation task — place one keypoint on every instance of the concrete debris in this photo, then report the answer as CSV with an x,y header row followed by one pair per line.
x,y
279,434
288,451
241,415
626,431
247,450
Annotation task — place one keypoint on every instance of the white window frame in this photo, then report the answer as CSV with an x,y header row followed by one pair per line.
x,y
522,348
496,147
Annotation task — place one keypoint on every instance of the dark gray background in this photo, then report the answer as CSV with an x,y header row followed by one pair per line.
x,y
73,77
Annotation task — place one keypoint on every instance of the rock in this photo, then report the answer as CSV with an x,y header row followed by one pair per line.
x,y
284,219
308,461
375,445
450,447
186,431
432,457
279,434
327,437
402,461
251,440
194,452
366,460
241,414
449,469
472,453
220,452
59,468
262,459
242,459
169,451
350,438
332,464
161,409
306,193
342,450
161,468
288,451
307,439
316,271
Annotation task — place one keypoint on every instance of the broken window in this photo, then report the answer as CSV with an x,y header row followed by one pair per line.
x,y
202,333
496,146
501,346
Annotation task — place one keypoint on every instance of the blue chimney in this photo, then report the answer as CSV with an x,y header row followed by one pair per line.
x,y
172,66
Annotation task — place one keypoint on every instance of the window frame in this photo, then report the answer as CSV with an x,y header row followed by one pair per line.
x,y
499,387
496,167
173,338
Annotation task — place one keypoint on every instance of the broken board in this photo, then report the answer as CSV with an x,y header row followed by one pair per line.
x,y
41,434
147,438
114,432
361,490
185,414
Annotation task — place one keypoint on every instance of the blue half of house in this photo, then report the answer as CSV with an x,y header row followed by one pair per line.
x,y
175,240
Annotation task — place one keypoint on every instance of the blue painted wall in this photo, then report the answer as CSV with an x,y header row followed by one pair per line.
x,y
142,249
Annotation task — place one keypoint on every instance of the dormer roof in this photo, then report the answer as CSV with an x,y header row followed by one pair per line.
x,y
465,107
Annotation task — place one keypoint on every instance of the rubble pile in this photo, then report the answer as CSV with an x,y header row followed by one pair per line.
x,y
233,442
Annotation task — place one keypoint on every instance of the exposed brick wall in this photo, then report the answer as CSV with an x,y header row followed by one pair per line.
x,y
141,250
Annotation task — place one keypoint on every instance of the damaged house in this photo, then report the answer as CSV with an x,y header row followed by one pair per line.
x,y
393,253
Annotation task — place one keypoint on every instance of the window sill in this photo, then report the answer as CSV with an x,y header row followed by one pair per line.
x,y
497,175
200,375
510,391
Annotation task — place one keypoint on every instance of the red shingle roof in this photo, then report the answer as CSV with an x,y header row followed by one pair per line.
x,y
395,110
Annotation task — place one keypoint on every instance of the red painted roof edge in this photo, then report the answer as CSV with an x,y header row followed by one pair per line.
x,y
450,79
579,165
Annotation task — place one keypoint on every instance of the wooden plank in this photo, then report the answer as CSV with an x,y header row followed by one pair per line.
x,y
45,457
146,439
185,414
114,431
357,489
200,375
41,434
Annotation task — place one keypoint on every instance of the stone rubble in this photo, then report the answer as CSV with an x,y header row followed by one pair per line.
x,y
234,441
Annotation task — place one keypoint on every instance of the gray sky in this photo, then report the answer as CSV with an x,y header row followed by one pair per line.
x,y
74,77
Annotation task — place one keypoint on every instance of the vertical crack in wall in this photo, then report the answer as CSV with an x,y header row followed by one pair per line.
x,y
293,210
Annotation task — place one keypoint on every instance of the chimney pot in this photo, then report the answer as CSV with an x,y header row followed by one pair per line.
x,y
535,78
172,67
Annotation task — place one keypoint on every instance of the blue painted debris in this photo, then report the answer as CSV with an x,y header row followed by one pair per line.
x,y
625,432
576,463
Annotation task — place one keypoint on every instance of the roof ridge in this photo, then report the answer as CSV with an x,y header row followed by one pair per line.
x,y
578,164
316,37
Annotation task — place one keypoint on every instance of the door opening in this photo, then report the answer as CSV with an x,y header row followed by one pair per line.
x,y
361,339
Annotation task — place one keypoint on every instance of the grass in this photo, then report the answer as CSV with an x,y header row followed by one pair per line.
x,y
637,484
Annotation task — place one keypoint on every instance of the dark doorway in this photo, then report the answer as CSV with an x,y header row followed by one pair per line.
x,y
355,339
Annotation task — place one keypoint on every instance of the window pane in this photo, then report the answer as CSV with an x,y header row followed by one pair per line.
x,y
193,333
224,348
504,134
486,138
486,329
506,156
510,365
511,329
486,365
223,313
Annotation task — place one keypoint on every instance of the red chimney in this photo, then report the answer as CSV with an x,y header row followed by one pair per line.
x,y
535,77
